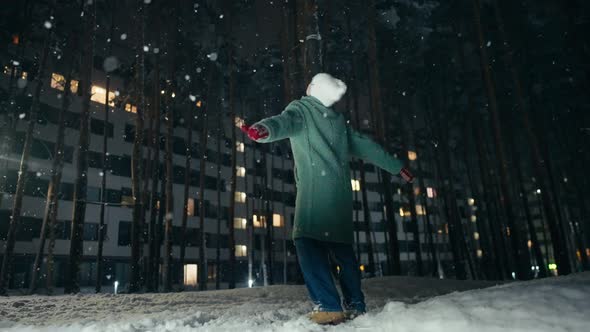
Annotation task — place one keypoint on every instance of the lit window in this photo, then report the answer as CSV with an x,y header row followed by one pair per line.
x,y
241,250
473,218
24,75
362,268
412,155
240,223
59,82
404,213
190,274
417,191
130,108
277,220
240,197
529,244
258,221
430,192
470,201
479,253
7,70
420,210
356,185
240,146
99,94
475,235
15,39
199,103
190,207
241,171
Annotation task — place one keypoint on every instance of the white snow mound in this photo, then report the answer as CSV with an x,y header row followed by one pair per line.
x,y
395,304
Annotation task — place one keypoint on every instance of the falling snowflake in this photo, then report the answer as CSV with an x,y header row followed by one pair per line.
x,y
146,48
192,98
110,64
212,56
156,50
489,43
123,36
47,25
21,116
187,77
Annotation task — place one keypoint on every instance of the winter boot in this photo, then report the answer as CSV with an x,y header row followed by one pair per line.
x,y
327,317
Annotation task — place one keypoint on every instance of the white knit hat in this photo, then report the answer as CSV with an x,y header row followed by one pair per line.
x,y
326,88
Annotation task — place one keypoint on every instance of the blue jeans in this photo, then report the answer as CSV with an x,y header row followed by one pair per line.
x,y
314,260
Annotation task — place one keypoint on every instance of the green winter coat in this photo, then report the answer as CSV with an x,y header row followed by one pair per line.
x,y
322,146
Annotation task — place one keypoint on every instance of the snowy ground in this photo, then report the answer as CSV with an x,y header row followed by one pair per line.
x,y
395,304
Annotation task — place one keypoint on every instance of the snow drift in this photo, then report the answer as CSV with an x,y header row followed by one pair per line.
x,y
394,303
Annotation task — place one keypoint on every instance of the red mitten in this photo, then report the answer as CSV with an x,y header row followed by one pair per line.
x,y
406,175
255,132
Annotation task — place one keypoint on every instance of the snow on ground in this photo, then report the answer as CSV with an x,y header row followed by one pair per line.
x,y
394,303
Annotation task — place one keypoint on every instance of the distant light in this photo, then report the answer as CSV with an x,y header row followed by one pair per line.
x,y
412,155
552,266
529,244
146,48
199,103
538,191
479,253
116,284
362,267
250,283
513,275
470,201
162,92
173,94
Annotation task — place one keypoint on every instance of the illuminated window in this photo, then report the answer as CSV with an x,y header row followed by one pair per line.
x,y
59,82
529,244
241,171
240,146
240,197
15,39
258,221
99,94
277,220
430,192
420,210
473,218
7,70
404,213
412,155
239,122
190,274
241,250
356,185
240,223
470,201
190,207
479,253
475,235
130,108
362,267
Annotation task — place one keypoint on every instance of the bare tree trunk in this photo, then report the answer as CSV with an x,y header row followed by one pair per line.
x,y
103,183
202,271
171,85
312,53
395,267
519,249
137,159
558,239
187,179
51,204
156,203
23,169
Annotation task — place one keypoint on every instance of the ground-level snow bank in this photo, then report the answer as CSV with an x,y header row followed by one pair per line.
x,y
395,304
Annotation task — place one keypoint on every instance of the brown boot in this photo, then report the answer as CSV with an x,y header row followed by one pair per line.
x,y
327,317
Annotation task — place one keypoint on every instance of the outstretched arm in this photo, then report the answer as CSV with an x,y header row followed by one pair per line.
x,y
363,147
287,124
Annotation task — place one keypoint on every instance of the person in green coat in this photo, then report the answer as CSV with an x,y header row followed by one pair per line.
x,y
322,146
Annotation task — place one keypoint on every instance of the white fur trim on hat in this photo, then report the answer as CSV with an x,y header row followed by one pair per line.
x,y
326,88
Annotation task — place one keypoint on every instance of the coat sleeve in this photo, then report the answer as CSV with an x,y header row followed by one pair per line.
x,y
285,125
363,147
